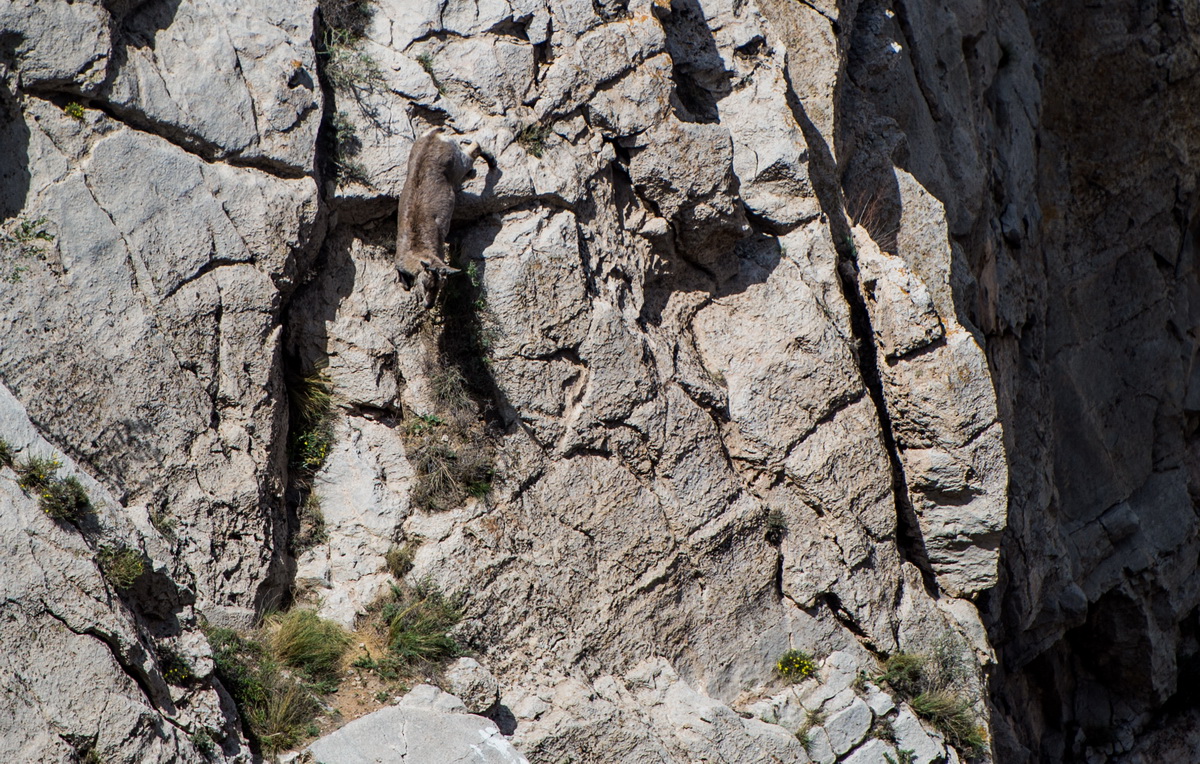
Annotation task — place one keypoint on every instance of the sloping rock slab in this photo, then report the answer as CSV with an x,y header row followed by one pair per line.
x,y
406,735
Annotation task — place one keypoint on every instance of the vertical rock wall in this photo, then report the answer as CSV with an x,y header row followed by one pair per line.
x,y
850,327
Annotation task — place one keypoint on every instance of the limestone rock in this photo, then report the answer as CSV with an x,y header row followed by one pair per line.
x,y
474,684
416,732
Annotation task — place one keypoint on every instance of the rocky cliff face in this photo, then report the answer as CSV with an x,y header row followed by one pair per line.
x,y
855,328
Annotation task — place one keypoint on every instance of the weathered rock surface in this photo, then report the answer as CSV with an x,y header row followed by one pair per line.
x,y
848,327
423,727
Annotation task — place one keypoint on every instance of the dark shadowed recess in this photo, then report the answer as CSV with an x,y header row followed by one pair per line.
x,y
1074,262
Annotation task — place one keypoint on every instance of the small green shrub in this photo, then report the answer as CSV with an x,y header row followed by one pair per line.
x,y
6,453
905,673
175,669
74,110
533,138
347,66
35,473
906,756
237,662
308,643
203,742
795,665
62,499
65,499
122,566
423,423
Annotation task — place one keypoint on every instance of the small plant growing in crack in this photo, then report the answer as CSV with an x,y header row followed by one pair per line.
x,y
399,560
795,665
202,741
775,527
935,686
74,110
311,397
312,531
426,61
348,67
533,138
6,453
20,240
346,146
61,499
162,522
805,733
121,565
174,667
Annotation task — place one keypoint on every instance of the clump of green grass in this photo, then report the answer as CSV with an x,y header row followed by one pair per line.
x,y
533,138
6,454
954,717
282,719
415,622
399,560
312,645
311,397
811,719
906,756
74,110
62,499
21,239
312,530
277,673
121,565
795,665
935,686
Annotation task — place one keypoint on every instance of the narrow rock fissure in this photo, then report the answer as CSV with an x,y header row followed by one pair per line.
x,y
130,670
822,167
204,150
